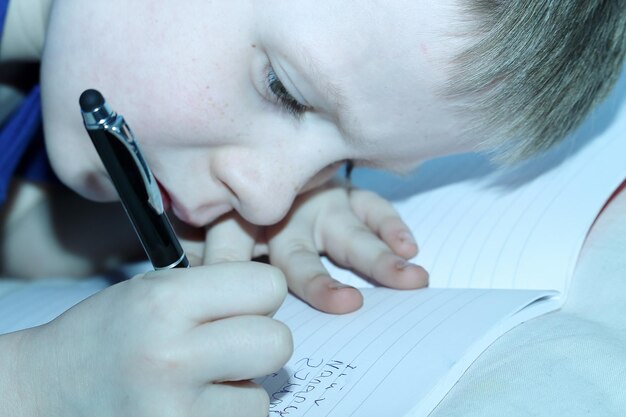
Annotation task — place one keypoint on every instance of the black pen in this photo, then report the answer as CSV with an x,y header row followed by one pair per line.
x,y
133,181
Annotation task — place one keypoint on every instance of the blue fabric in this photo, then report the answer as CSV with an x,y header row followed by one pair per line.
x,y
21,139
4,6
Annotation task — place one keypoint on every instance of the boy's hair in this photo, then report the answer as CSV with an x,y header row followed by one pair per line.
x,y
537,68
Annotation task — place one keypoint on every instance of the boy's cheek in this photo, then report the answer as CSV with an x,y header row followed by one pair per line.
x,y
75,162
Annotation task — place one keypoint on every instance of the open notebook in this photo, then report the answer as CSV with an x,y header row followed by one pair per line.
x,y
500,245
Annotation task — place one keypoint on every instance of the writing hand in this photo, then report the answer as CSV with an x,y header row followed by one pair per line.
x,y
180,343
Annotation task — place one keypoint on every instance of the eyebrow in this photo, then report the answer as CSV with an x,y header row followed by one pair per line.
x,y
332,92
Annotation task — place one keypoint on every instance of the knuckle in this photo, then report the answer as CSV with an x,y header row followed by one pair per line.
x,y
391,221
161,360
348,250
358,231
154,297
347,258
298,247
264,281
352,258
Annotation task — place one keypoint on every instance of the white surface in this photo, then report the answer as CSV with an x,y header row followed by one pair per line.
x,y
568,363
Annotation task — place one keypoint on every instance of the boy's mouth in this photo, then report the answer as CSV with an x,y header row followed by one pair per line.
x,y
199,217
165,196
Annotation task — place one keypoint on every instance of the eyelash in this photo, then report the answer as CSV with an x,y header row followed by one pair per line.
x,y
283,97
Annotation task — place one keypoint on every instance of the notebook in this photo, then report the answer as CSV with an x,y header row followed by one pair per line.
x,y
501,246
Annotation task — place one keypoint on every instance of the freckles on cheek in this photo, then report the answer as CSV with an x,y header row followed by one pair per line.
x,y
215,109
209,119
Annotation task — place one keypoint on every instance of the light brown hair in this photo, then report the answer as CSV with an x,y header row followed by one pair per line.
x,y
536,69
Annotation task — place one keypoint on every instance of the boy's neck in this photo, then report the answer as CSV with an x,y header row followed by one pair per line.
x,y
24,30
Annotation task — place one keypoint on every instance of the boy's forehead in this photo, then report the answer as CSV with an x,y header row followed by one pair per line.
x,y
386,63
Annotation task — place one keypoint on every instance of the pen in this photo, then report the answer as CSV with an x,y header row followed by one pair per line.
x,y
133,180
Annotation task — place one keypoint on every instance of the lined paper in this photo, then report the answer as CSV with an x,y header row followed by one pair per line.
x,y
401,346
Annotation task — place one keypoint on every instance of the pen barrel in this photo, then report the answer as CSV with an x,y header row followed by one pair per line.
x,y
153,229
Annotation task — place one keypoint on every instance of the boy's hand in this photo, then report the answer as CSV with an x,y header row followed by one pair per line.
x,y
172,343
357,229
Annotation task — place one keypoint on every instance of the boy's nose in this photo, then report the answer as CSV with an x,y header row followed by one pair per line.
x,y
265,202
263,196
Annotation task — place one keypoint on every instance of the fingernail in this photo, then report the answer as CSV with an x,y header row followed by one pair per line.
x,y
407,237
403,264
336,285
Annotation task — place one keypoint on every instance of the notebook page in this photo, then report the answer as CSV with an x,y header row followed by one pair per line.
x,y
400,347
523,227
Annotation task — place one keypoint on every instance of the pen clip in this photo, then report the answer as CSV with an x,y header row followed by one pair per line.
x,y
121,131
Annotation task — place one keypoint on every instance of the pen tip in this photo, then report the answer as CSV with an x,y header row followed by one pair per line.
x,y
91,100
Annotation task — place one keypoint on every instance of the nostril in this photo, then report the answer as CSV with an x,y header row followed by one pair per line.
x,y
230,190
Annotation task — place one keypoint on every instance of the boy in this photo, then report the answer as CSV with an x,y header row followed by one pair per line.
x,y
248,108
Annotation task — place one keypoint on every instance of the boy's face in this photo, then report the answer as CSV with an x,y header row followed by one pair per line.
x,y
244,104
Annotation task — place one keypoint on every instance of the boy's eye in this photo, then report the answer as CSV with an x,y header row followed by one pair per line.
x,y
283,97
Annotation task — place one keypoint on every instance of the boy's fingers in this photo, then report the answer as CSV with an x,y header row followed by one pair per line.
x,y
238,348
329,295
366,254
307,277
382,218
362,201
207,293
232,399
229,239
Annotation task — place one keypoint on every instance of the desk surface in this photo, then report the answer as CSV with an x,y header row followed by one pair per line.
x,y
568,363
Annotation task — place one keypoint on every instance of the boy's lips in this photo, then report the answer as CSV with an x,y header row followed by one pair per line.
x,y
165,196
203,217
